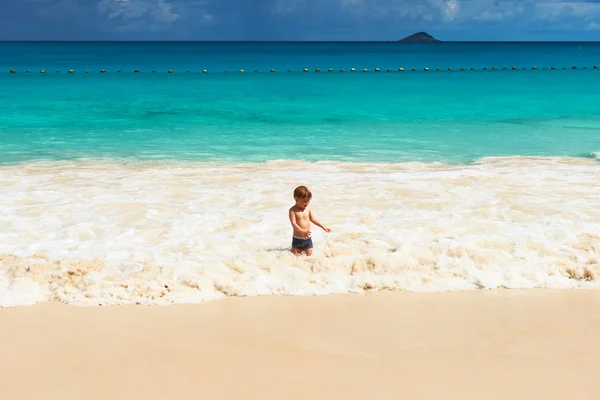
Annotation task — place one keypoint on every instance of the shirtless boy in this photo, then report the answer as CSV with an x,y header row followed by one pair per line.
x,y
301,216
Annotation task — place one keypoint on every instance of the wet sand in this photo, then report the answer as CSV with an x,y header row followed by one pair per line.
x,y
470,345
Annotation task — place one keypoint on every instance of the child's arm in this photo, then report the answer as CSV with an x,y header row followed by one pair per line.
x,y
317,223
295,224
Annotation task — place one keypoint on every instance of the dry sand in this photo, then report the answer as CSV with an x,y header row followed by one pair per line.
x,y
478,345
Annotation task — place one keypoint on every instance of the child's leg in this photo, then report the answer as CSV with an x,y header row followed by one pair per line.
x,y
296,251
308,251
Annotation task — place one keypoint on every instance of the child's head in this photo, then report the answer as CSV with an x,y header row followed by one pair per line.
x,y
302,196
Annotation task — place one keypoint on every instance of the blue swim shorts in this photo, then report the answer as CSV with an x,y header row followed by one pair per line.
x,y
302,243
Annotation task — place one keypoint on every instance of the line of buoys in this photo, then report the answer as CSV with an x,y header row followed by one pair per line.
x,y
401,69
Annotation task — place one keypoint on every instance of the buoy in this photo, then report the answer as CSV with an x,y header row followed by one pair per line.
x,y
389,70
87,71
534,67
187,72
26,71
317,69
118,71
514,68
102,71
439,69
523,68
574,67
485,68
57,71
342,70
42,71
450,69
494,68
376,69
425,69
255,70
289,70
170,71
472,69
595,67
564,68
153,71
504,68
365,70
272,70
12,71
305,69
204,71
330,70
552,67
352,69
414,69
241,71
462,69
400,69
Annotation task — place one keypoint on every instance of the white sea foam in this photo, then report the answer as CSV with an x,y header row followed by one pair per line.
x,y
90,233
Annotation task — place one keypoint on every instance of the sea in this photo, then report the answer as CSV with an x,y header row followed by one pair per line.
x,y
161,173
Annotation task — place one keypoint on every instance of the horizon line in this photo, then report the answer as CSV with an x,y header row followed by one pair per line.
x,y
398,41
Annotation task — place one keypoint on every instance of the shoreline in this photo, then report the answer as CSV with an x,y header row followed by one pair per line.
x,y
588,158
499,344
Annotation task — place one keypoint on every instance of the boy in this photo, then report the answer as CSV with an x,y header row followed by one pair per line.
x,y
301,216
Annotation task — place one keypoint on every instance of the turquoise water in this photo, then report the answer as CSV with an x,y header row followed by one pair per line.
x,y
415,205
449,116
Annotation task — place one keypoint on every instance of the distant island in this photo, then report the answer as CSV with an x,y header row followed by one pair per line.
x,y
419,37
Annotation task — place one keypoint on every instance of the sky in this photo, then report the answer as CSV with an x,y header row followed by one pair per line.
x,y
313,20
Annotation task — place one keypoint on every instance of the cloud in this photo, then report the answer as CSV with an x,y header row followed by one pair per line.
x,y
593,26
139,14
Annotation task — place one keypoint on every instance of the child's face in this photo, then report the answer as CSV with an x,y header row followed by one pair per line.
x,y
302,203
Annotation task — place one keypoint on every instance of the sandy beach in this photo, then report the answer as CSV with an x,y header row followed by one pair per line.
x,y
484,344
